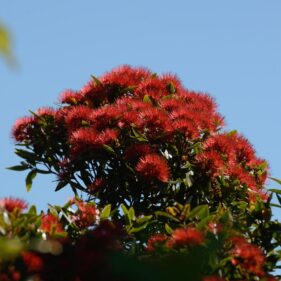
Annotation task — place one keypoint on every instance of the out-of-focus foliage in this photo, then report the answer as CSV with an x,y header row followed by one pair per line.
x,y
5,46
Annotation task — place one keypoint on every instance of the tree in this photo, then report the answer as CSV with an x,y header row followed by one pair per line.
x,y
162,187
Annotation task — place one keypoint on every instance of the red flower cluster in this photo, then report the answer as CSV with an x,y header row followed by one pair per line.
x,y
153,166
33,262
51,225
248,256
155,240
128,118
185,237
11,204
232,156
188,236
86,214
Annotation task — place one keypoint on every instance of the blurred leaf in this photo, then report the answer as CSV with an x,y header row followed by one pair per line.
x,y
143,219
96,80
276,180
171,88
19,167
124,209
164,214
30,157
275,205
147,99
29,179
5,42
131,214
168,229
200,212
61,185
109,149
32,210
105,213
10,248
138,228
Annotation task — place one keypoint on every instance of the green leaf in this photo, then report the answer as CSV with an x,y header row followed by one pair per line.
x,y
138,228
164,214
105,213
96,80
29,156
277,191
171,88
53,210
5,42
275,205
131,214
143,219
231,133
147,99
200,212
124,209
168,229
276,180
139,136
202,224
19,167
61,185
29,179
32,210
109,149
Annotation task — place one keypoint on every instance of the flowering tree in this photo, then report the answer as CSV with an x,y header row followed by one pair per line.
x,y
158,185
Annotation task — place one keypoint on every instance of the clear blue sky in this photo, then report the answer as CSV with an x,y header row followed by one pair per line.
x,y
230,49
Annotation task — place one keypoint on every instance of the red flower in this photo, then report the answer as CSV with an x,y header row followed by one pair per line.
x,y
185,237
154,87
153,122
86,214
104,117
187,127
50,224
153,166
46,111
11,204
126,76
22,129
155,240
243,176
70,97
248,256
33,262
135,151
78,117
171,104
211,162
96,185
86,139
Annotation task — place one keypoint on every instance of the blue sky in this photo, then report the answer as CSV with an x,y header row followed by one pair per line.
x,y
230,49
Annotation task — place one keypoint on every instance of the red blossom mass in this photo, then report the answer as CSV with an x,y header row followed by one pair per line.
x,y
185,237
10,204
154,240
128,118
153,166
51,225
248,256
86,214
33,262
